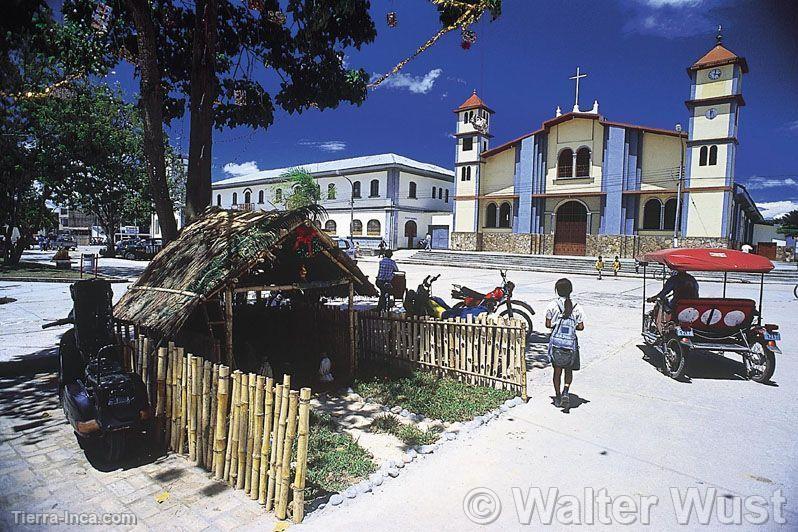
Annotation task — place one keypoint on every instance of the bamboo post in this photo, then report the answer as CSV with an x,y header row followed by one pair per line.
x,y
192,407
278,406
145,366
251,431
177,396
303,433
288,447
228,326
265,449
204,434
243,419
170,385
184,400
281,426
352,354
257,439
220,432
160,403
231,459
210,443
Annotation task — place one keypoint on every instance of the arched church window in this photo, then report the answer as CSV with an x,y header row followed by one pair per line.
x,y
330,226
278,195
702,156
356,189
504,215
713,155
468,143
247,196
670,214
490,215
565,163
468,173
260,196
331,191
652,214
412,192
375,188
583,162
357,227
446,199
218,200
235,198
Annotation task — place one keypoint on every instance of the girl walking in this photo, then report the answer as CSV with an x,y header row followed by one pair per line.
x,y
564,318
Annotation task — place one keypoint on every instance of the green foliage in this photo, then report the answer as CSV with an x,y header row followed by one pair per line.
x,y
788,223
304,188
335,460
89,151
426,393
412,435
385,423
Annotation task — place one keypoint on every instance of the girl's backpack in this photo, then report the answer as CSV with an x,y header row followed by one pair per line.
x,y
563,337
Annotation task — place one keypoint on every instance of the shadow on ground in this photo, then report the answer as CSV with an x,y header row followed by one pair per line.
x,y
702,365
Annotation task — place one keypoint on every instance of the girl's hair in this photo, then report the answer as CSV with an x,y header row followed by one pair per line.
x,y
563,287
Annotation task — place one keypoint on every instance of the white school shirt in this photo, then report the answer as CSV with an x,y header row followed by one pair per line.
x,y
553,311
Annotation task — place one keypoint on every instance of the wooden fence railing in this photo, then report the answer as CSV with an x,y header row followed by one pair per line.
x,y
241,427
485,351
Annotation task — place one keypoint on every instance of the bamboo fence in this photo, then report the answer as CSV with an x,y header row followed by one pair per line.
x,y
244,428
486,351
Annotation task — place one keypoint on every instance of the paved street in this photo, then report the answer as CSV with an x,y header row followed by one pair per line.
x,y
632,430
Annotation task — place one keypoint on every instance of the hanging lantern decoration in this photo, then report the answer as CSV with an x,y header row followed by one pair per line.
x,y
255,5
101,17
468,37
276,17
391,18
240,97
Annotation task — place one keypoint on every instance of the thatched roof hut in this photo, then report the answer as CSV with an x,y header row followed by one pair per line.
x,y
229,250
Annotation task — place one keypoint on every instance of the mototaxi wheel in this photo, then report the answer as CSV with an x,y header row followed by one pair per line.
x,y
130,255
760,363
113,445
674,363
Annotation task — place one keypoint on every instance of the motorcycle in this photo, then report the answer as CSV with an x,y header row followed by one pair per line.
x,y
105,405
499,300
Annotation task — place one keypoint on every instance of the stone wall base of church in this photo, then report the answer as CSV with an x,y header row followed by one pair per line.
x,y
630,246
624,246
465,241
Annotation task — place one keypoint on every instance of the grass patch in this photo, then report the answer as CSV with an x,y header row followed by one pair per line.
x,y
335,461
428,394
35,270
409,434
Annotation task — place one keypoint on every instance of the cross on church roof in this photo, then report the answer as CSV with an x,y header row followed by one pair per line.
x,y
577,77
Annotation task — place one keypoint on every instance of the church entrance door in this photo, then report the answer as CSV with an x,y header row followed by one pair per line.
x,y
570,232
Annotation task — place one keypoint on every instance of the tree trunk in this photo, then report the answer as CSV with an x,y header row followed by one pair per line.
x,y
110,248
152,109
203,94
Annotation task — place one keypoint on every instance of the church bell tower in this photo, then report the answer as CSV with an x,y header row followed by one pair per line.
x,y
473,137
715,102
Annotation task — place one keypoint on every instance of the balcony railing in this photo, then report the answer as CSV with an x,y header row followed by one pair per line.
x,y
564,172
244,207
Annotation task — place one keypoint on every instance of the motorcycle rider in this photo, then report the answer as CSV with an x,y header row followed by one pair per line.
x,y
682,285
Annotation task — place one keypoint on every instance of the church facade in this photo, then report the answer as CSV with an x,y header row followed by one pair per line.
x,y
582,184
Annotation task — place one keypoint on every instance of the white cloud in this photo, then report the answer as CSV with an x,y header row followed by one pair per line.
x,y
792,126
774,209
671,3
672,18
235,169
755,182
324,145
415,84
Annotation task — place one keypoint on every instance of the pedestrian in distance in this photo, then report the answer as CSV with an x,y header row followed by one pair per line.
x,y
616,266
599,266
385,273
428,241
382,247
564,318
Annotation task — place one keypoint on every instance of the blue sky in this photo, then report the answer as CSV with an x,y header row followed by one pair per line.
x,y
634,51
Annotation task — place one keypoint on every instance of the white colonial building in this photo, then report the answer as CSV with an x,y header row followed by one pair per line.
x,y
384,196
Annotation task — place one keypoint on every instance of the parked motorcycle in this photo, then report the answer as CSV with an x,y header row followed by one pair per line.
x,y
499,300
105,405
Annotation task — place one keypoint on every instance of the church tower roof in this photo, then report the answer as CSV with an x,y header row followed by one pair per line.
x,y
473,102
718,56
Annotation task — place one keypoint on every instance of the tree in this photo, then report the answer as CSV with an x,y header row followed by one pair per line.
x,y
304,188
90,144
788,223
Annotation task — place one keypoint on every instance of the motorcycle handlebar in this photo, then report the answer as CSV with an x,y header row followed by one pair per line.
x,y
62,321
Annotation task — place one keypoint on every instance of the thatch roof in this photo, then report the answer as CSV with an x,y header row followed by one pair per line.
x,y
212,253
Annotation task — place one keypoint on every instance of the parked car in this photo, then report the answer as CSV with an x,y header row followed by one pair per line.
x,y
64,242
143,249
347,247
122,245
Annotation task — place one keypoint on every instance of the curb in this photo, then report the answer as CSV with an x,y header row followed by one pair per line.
x,y
70,281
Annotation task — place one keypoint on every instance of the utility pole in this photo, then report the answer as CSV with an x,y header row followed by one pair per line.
x,y
678,221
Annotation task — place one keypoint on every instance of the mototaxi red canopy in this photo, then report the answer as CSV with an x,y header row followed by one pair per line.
x,y
709,260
